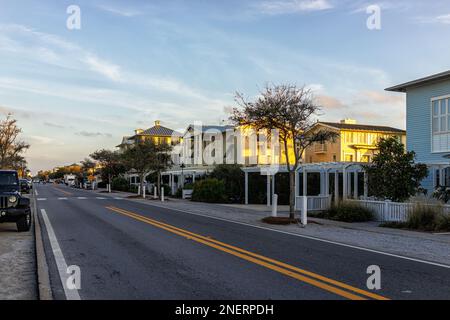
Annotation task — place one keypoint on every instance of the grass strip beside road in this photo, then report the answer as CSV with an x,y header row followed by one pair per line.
x,y
330,285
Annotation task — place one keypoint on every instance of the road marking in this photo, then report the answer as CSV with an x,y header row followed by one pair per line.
x,y
65,192
314,279
81,198
62,199
71,294
35,191
100,198
41,199
118,198
307,237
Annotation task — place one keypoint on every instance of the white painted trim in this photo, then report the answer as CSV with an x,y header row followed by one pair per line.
x,y
431,123
308,237
71,294
440,97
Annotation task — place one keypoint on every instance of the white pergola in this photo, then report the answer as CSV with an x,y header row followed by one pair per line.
x,y
181,174
325,169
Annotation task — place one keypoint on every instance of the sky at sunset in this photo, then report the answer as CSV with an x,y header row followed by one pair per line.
x,y
134,62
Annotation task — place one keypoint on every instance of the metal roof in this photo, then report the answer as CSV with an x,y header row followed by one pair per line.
x,y
158,131
361,127
415,83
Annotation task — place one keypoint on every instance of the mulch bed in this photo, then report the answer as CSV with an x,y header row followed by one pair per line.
x,y
280,220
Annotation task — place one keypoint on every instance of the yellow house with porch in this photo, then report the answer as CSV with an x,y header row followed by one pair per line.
x,y
356,142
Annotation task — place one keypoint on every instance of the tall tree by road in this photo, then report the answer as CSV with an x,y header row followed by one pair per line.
x,y
110,164
146,157
393,174
290,110
11,148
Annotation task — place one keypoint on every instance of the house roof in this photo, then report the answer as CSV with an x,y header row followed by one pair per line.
x,y
415,83
362,127
158,131
212,127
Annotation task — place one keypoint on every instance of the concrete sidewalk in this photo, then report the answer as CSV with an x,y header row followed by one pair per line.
x,y
417,245
17,264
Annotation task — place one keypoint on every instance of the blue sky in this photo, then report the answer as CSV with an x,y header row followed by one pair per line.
x,y
134,62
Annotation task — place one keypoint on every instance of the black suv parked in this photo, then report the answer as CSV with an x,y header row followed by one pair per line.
x,y
13,207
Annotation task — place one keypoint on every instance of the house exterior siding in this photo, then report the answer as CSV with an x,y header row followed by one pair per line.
x,y
419,95
418,120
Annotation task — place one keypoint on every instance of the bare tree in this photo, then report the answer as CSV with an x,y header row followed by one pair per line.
x,y
290,110
11,148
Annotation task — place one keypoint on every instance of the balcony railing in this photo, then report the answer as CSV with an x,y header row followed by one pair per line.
x,y
320,148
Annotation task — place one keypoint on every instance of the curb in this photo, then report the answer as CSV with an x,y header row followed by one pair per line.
x,y
43,277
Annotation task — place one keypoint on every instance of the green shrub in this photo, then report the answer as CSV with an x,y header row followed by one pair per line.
x,y
443,223
120,184
209,190
233,179
348,212
132,188
423,217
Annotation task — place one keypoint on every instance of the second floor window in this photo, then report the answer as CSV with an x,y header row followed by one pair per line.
x,y
440,124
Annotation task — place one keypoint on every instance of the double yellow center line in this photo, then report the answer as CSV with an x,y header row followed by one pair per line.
x,y
330,285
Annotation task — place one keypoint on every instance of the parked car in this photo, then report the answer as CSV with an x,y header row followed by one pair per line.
x,y
13,206
24,186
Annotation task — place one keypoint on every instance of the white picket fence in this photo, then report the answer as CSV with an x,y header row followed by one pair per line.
x,y
315,203
387,211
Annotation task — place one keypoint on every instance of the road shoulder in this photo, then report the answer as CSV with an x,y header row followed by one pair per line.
x,y
43,277
18,277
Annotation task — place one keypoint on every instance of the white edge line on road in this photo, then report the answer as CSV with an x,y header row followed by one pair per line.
x,y
59,258
63,198
308,237
35,191
41,199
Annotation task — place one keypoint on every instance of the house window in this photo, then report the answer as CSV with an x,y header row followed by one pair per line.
x,y
440,124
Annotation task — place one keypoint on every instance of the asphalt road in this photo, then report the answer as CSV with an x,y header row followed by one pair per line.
x,y
130,250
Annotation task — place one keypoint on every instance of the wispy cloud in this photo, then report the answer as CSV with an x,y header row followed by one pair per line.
x,y
444,19
292,6
88,134
105,68
124,12
53,125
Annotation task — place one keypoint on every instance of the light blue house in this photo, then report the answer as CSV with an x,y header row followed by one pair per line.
x,y
428,125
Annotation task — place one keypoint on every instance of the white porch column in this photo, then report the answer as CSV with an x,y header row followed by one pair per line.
x,y
268,190
442,176
336,186
355,182
246,187
366,185
273,184
344,183
297,187
305,198
193,177
327,183
322,183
